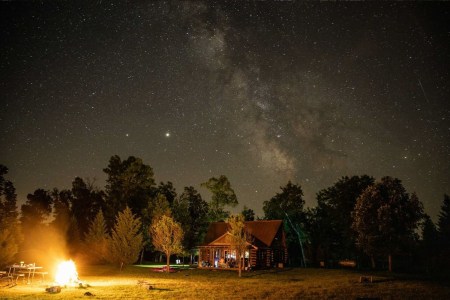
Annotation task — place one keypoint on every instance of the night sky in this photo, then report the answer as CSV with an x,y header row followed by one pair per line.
x,y
262,92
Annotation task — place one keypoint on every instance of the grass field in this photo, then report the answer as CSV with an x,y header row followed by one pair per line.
x,y
107,282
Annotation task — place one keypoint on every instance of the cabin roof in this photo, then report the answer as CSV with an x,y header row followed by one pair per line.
x,y
263,231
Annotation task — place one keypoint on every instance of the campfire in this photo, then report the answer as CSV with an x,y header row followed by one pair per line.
x,y
66,274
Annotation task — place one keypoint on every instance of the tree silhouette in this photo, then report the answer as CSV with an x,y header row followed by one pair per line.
x,y
385,218
36,209
130,183
444,230
10,233
429,243
248,213
87,201
288,206
222,195
191,211
62,201
335,205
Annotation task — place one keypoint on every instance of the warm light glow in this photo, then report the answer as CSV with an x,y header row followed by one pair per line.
x,y
66,273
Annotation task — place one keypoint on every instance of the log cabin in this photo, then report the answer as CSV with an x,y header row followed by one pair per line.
x,y
266,246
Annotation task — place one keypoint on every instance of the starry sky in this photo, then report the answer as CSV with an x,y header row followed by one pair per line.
x,y
262,92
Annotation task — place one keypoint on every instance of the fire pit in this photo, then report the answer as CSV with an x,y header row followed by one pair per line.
x,y
66,274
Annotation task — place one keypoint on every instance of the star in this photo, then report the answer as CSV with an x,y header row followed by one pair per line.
x,y
167,134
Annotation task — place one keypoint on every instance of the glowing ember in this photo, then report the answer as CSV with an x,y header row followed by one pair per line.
x,y
66,273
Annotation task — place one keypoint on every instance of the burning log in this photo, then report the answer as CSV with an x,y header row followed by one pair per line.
x,y
54,289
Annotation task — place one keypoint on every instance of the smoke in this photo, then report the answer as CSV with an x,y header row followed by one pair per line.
x,y
44,245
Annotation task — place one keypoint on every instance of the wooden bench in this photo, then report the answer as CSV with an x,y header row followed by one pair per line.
x,y
15,276
3,274
32,274
11,276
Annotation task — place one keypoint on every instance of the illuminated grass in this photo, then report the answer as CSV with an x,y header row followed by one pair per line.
x,y
107,282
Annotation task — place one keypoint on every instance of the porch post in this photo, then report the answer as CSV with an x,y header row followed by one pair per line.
x,y
211,256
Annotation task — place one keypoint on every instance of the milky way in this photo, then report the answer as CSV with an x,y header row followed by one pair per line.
x,y
260,92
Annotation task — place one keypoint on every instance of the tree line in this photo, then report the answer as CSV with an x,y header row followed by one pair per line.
x,y
373,223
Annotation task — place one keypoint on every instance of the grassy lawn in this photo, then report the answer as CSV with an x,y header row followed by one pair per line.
x,y
106,282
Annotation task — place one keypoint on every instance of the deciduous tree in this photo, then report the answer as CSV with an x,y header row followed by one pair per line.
x,y
130,183
289,201
222,195
444,230
8,197
334,214
429,244
62,201
156,207
239,238
36,209
87,201
385,218
444,220
288,206
168,190
167,236
248,213
10,233
191,211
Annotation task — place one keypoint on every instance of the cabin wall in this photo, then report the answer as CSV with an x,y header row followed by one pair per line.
x,y
267,257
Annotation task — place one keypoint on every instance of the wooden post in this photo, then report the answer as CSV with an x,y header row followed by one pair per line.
x,y
211,256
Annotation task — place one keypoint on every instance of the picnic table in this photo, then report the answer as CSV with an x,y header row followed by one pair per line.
x,y
23,270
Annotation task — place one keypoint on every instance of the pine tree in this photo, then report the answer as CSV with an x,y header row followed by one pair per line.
x,y
126,239
96,240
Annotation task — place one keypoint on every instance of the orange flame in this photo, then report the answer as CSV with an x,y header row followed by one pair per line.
x,y
66,273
